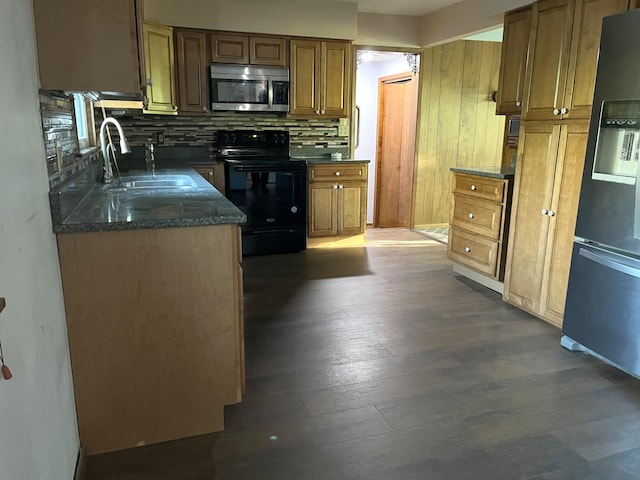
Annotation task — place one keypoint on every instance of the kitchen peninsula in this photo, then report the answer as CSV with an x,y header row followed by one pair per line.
x,y
153,295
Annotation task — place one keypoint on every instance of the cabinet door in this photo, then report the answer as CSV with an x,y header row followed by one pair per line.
x,y
87,45
546,77
323,209
229,48
513,62
159,60
583,60
535,168
191,59
335,84
268,51
207,173
562,220
352,202
305,77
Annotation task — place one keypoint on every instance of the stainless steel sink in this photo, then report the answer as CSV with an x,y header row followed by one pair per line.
x,y
162,181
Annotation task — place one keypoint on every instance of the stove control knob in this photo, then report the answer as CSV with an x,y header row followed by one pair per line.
x,y
294,209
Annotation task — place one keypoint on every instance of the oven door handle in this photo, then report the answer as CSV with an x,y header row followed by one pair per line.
x,y
266,168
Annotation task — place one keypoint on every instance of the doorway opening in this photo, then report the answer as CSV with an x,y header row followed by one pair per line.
x,y
386,110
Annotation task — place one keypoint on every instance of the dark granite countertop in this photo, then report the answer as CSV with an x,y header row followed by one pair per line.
x,y
114,207
327,160
495,172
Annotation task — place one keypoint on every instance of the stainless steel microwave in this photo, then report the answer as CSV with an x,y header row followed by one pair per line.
x,y
249,88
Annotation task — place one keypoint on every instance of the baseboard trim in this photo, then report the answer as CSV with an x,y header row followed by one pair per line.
x,y
488,282
81,464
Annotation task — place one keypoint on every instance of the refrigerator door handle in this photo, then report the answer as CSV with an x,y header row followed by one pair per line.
x,y
611,262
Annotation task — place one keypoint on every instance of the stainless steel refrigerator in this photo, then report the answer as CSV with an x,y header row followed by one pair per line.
x,y
602,312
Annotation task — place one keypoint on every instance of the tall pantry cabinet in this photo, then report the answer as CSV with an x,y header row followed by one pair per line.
x,y
559,81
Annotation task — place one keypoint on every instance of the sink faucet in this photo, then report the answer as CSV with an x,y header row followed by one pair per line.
x,y
105,147
149,158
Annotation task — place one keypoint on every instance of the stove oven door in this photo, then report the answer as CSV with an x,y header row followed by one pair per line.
x,y
274,199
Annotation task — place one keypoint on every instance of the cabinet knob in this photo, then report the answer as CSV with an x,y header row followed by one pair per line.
x,y
335,187
317,112
340,186
551,213
474,188
204,109
321,112
518,103
467,249
472,216
556,111
564,110
337,174
544,211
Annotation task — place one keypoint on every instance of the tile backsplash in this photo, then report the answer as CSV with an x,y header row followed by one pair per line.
x,y
309,137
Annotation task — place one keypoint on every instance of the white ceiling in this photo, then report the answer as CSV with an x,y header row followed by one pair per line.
x,y
401,7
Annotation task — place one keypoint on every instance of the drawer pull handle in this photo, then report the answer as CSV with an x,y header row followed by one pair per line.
x,y
337,174
472,216
467,249
473,187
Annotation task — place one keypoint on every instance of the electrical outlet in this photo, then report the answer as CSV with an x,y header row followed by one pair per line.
x,y
160,138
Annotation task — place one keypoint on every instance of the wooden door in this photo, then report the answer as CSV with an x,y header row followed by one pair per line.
x,y
159,66
268,51
336,79
535,169
583,60
229,48
192,81
351,203
397,113
323,209
562,220
305,77
546,77
513,62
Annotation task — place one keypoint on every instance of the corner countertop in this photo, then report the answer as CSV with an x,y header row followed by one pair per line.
x,y
495,172
110,207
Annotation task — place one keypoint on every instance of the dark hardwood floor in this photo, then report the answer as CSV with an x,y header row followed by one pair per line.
x,y
378,362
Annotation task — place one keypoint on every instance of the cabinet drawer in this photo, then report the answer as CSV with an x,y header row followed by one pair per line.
x,y
474,251
481,187
332,173
477,215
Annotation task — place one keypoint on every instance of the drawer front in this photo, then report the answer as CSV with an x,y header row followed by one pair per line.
x,y
333,173
487,188
476,215
473,251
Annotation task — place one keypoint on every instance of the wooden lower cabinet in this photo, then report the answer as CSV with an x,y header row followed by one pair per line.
x,y
547,189
155,328
213,173
479,223
338,207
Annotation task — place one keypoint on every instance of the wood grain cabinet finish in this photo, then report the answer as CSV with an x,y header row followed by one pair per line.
x,y
479,222
191,71
546,193
249,49
213,173
156,337
513,62
160,69
563,54
88,45
320,73
337,199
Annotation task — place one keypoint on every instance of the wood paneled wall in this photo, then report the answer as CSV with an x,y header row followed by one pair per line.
x,y
458,126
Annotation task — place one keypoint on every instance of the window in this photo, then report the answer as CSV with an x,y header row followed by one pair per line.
x,y
84,121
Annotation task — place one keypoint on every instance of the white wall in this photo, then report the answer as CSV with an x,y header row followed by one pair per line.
x,y
38,431
304,18
367,76
388,30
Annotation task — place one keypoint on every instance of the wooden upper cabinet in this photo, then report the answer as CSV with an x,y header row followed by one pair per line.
x,y
320,78
88,45
191,70
248,49
563,49
159,65
515,42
